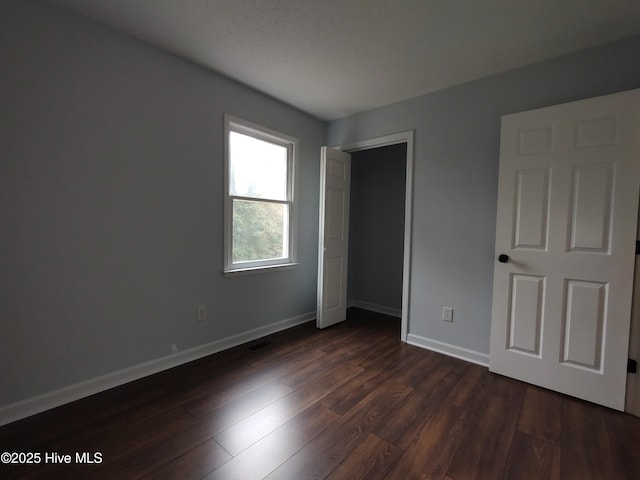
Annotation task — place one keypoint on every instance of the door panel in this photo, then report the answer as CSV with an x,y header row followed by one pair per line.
x,y
591,213
336,205
534,140
335,177
532,203
332,297
583,323
595,132
525,315
566,218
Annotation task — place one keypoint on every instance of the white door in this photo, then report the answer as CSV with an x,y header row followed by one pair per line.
x,y
335,176
565,242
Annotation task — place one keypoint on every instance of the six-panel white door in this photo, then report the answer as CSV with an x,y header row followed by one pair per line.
x,y
335,179
566,220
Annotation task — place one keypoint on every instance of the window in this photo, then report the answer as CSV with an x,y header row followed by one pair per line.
x,y
259,197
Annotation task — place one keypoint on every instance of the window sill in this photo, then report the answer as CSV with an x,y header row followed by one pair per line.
x,y
236,272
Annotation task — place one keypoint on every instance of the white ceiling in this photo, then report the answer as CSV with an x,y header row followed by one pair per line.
x,y
332,58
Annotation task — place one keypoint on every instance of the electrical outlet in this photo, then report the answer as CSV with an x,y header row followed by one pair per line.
x,y
174,348
202,313
447,314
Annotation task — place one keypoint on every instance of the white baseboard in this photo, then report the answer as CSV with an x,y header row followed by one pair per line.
x,y
25,408
448,349
394,312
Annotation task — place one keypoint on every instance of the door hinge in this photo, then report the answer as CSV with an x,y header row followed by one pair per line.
x,y
637,247
632,366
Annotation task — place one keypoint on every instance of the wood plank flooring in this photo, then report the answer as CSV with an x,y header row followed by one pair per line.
x,y
349,402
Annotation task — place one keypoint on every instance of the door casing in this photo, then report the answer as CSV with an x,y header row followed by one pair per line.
x,y
383,141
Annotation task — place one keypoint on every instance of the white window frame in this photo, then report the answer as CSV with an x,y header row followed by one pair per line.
x,y
235,124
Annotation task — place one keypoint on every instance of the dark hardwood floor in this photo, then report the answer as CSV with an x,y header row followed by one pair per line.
x,y
348,402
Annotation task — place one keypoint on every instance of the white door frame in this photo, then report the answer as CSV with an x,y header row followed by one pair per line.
x,y
386,140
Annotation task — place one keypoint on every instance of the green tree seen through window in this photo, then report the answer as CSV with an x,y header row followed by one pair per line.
x,y
258,231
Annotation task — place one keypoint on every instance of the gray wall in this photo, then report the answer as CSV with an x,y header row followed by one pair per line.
x,y
456,171
376,226
111,161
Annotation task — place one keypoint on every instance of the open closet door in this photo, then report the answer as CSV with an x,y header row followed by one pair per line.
x,y
333,244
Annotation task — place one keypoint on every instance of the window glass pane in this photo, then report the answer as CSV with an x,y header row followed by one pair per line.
x,y
257,168
260,231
